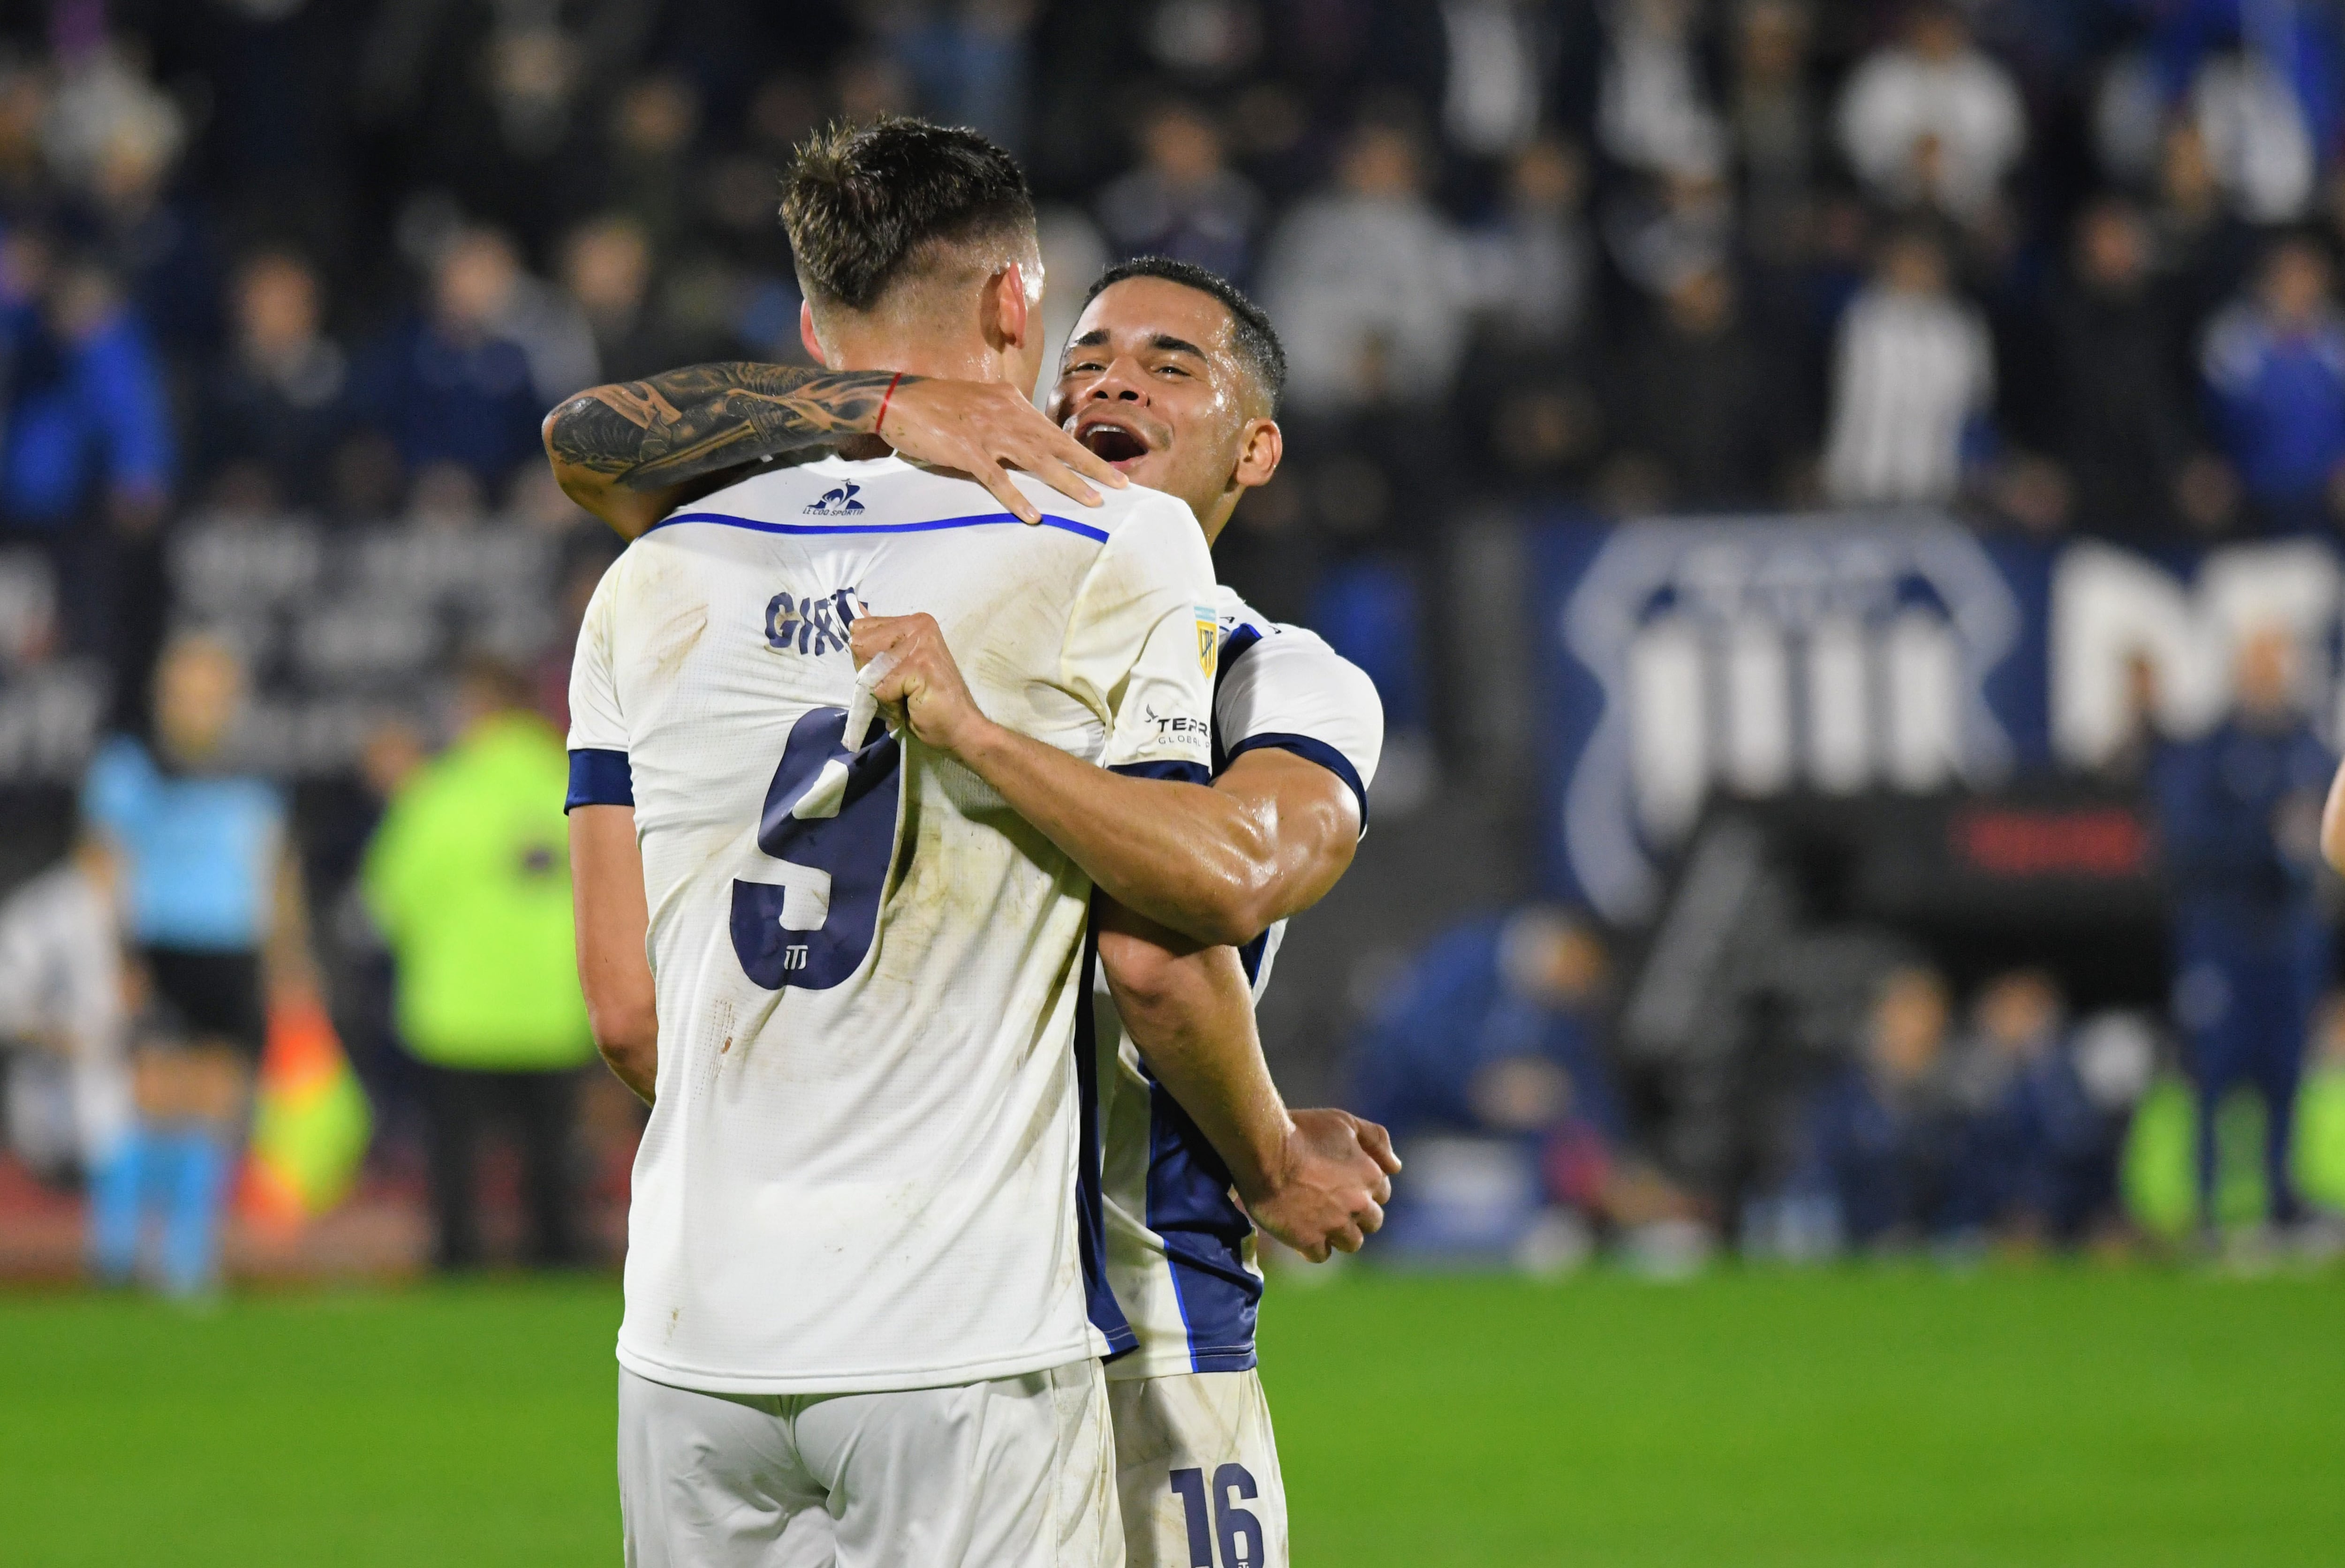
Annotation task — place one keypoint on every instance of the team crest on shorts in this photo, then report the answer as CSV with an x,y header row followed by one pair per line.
x,y
1209,638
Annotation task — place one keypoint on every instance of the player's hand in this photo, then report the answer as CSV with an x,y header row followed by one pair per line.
x,y
914,679
983,428
1331,1195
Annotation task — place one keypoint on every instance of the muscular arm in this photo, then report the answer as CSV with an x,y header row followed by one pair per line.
x,y
1271,836
607,889
634,451
1316,1180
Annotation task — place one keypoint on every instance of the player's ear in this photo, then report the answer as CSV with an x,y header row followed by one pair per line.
x,y
805,334
1008,314
1261,446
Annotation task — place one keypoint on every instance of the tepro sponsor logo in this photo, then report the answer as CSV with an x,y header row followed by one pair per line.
x,y
839,503
812,623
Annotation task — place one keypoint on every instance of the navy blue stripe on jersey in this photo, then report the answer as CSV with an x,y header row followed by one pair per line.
x,y
1091,1212
1250,956
1098,535
599,778
1204,1233
1310,748
1241,638
1178,771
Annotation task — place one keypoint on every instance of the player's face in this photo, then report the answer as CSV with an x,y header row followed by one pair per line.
x,y
1151,382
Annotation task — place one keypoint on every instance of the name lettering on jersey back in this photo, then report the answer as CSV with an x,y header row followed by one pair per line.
x,y
812,624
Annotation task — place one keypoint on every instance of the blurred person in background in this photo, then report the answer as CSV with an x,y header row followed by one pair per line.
x,y
1913,377
1366,282
1497,1031
62,1026
2239,818
217,914
277,404
469,880
1931,123
2052,1109
2274,364
2120,423
1703,422
1184,201
606,269
1887,1137
86,457
455,385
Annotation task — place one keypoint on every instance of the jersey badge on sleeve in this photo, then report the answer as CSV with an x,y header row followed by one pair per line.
x,y
1209,638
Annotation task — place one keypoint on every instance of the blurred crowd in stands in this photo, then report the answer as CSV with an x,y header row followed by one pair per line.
x,y
286,287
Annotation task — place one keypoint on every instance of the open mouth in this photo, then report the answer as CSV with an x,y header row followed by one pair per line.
x,y
1111,443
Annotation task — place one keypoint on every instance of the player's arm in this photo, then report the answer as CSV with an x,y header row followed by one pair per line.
x,y
1219,864
633,451
1316,1180
606,890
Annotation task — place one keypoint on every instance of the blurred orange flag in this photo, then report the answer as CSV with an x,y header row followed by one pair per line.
x,y
310,1120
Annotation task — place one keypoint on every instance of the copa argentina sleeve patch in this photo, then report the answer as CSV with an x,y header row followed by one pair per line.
x,y
1209,637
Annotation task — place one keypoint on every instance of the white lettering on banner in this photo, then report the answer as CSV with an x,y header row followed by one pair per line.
x,y
2111,607
1839,653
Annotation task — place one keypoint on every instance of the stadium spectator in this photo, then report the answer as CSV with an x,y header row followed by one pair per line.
x,y
278,404
1773,113
217,912
1888,1139
1534,264
2052,1110
453,386
468,879
1487,1009
2274,364
2118,418
2239,814
87,465
1913,376
1931,123
607,270
1183,200
1654,114
1700,414
1366,283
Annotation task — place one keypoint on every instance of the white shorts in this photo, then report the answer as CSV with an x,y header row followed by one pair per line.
x,y
1196,1472
1012,1473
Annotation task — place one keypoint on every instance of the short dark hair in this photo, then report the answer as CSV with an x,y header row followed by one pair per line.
x,y
860,201
1251,332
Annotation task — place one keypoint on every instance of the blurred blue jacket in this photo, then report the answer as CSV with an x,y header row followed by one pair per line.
x,y
2217,798
82,413
443,399
2278,403
1449,1016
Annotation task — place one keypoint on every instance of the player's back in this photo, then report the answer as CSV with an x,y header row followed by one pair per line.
x,y
860,1168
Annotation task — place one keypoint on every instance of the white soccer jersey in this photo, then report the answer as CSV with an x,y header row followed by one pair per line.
x,y
1180,1254
861,1170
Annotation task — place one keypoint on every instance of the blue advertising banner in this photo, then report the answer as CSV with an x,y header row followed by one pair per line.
x,y
1838,654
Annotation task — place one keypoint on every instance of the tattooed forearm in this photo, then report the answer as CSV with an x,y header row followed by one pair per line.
x,y
683,425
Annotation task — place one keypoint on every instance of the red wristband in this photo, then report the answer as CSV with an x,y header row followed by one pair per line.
x,y
883,403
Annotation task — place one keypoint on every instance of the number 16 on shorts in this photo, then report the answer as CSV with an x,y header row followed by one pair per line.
x,y
1216,1515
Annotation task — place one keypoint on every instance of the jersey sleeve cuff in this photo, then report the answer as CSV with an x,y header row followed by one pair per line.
x,y
1314,750
1178,771
599,778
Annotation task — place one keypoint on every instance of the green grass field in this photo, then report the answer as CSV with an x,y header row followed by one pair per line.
x,y
1867,1416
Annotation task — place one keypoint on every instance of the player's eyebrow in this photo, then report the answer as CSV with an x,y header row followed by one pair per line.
x,y
1090,340
1172,345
